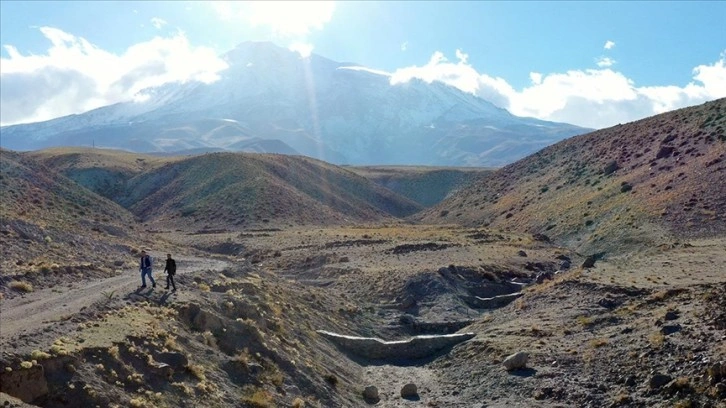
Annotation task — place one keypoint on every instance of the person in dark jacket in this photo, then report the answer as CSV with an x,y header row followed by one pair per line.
x,y
170,270
145,268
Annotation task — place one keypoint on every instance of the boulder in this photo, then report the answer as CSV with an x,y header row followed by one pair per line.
x,y
516,361
522,254
670,329
610,168
589,262
409,391
162,370
370,393
671,315
658,380
177,361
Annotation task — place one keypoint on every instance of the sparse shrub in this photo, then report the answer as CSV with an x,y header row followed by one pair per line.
x,y
39,355
203,287
171,344
259,399
113,352
26,364
597,343
198,371
657,339
585,320
209,339
298,403
21,286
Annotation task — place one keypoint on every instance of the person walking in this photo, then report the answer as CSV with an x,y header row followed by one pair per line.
x,y
145,268
170,270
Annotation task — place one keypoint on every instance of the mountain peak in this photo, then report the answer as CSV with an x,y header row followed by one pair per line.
x,y
309,106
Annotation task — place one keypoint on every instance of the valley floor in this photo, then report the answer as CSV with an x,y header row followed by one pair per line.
x,y
644,329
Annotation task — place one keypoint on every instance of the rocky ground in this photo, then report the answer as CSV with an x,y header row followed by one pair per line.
x,y
639,329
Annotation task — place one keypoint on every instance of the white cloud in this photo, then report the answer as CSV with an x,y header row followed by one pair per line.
x,y
535,77
286,18
461,56
75,76
609,45
604,62
593,98
158,22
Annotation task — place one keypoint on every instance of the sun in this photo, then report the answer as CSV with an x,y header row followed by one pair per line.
x,y
285,18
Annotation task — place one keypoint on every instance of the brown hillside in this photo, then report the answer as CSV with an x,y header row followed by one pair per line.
x,y
102,171
48,220
228,190
650,181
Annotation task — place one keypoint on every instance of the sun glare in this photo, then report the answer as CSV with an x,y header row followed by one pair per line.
x,y
283,17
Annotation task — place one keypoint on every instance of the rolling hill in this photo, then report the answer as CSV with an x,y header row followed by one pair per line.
x,y
47,220
228,190
656,180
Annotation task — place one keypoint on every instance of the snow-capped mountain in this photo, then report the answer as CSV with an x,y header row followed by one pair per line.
x,y
271,99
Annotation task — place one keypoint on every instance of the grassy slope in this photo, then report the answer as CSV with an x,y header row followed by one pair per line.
x,y
47,219
668,182
223,190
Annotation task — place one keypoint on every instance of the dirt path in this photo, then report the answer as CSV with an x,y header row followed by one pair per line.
x,y
37,310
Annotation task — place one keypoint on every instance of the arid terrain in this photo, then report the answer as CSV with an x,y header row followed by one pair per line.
x,y
302,284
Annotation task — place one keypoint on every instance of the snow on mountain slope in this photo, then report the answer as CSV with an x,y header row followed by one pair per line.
x,y
314,106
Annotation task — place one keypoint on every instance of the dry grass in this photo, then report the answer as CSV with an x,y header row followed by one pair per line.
x,y
39,355
21,286
585,321
656,340
198,371
259,399
597,343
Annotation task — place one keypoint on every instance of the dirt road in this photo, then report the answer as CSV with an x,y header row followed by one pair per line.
x,y
37,310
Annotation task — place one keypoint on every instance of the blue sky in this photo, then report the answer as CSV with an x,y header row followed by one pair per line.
x,y
590,63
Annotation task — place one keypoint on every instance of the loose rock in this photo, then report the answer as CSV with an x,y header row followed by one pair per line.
x,y
658,381
409,391
515,361
371,394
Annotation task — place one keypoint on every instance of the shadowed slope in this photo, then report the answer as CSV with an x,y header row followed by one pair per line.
x,y
49,219
425,185
648,181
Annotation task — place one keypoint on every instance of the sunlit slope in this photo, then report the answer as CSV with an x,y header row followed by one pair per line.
x,y
655,180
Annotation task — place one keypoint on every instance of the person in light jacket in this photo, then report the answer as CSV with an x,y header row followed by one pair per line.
x,y
145,268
